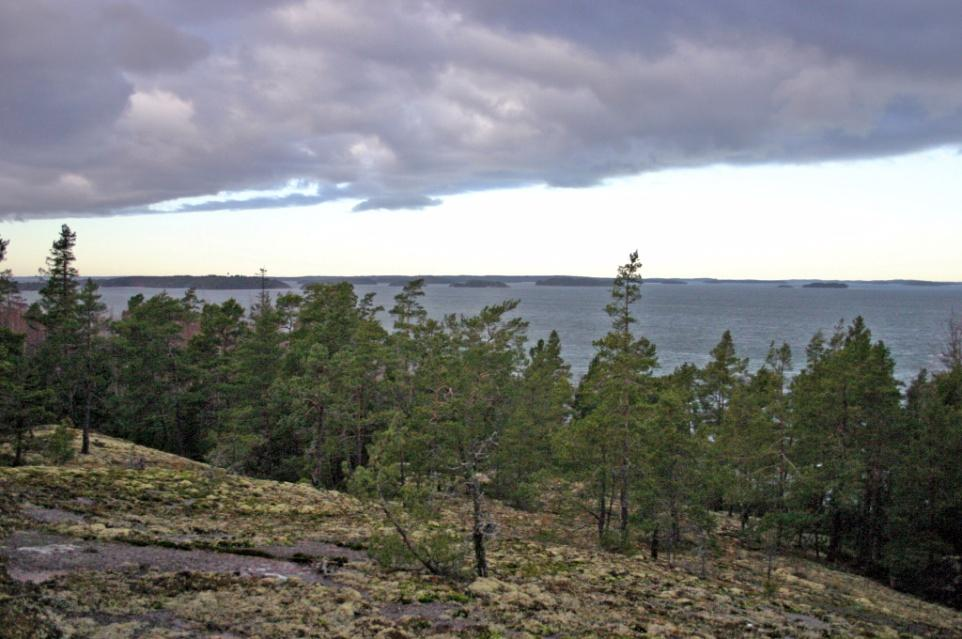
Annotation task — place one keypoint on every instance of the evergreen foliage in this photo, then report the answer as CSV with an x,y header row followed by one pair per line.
x,y
831,460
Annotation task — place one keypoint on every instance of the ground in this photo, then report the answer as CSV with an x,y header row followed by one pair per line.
x,y
130,542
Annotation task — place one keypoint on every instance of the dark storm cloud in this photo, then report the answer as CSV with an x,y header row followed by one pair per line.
x,y
108,107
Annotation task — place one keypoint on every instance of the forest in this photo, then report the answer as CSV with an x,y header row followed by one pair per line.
x,y
822,453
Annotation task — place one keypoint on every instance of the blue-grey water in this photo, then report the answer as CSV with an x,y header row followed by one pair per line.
x,y
686,321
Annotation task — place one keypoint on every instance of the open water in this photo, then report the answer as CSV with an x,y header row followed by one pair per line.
x,y
686,321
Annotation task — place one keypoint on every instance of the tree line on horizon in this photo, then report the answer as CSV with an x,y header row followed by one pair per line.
x,y
834,461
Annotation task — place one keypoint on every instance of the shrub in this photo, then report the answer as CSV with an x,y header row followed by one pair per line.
x,y
442,548
60,444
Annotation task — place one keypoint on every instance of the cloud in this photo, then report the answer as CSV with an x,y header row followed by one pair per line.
x,y
115,106
264,201
396,202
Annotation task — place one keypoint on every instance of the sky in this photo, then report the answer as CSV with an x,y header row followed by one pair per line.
x,y
721,138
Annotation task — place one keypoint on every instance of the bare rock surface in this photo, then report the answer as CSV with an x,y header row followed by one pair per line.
x,y
36,556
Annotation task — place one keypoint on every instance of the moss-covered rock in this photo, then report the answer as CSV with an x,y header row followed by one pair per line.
x,y
173,548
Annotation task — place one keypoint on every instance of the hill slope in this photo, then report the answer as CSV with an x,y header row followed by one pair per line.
x,y
130,542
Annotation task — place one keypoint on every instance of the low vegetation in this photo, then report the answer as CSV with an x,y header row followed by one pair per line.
x,y
131,542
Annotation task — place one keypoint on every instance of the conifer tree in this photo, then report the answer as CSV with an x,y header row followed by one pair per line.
x,y
8,288
619,390
465,399
924,533
525,452
627,365
247,437
151,405
846,403
56,312
334,383
23,400
92,352
718,381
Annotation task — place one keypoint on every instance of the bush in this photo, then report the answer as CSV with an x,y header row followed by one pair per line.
x,y
524,496
388,550
60,447
611,542
443,548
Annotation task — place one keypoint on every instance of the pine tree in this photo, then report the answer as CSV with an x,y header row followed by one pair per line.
x,y
92,353
525,452
924,534
334,385
8,288
23,400
466,394
680,475
210,357
627,363
56,312
846,403
718,381
616,402
151,405
247,438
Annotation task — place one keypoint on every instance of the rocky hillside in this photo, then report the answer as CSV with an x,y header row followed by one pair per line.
x,y
130,542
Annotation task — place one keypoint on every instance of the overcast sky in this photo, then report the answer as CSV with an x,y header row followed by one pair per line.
x,y
721,138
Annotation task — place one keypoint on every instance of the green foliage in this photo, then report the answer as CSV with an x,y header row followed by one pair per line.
x,y
525,456
846,405
312,388
153,405
8,288
445,549
602,451
24,399
60,443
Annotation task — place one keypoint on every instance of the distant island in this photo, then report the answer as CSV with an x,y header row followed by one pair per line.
x,y
200,282
401,280
479,284
574,280
30,285
712,280
909,282
249,282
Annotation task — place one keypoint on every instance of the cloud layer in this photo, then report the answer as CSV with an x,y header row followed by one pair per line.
x,y
110,107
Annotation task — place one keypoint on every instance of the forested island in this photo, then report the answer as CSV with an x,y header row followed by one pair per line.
x,y
573,280
712,280
449,471
825,285
479,284
199,282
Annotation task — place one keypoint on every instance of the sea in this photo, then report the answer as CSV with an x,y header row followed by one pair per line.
x,y
685,321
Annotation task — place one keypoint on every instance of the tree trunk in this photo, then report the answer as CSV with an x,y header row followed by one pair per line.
x,y
623,503
477,535
654,543
835,537
703,552
85,446
18,451
317,476
602,508
674,533
770,562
